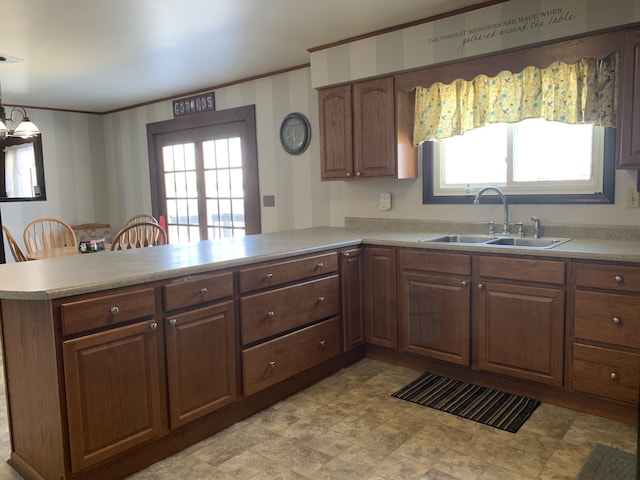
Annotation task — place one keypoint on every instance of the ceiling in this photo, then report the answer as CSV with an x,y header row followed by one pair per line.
x,y
100,56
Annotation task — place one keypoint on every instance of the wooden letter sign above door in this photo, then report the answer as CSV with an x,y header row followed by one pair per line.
x,y
202,102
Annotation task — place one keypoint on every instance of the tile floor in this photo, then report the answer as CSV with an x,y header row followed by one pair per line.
x,y
348,426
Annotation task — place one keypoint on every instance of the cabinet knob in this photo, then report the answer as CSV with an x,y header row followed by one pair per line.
x,y
271,313
348,174
358,174
153,326
614,376
321,299
204,291
481,286
272,364
346,254
269,276
323,343
618,279
115,310
320,265
464,283
616,320
173,322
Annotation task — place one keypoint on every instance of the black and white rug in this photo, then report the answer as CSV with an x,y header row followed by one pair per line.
x,y
491,407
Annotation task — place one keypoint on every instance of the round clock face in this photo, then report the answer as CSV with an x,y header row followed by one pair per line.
x,y
295,133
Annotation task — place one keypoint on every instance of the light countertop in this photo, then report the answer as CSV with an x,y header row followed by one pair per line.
x,y
92,272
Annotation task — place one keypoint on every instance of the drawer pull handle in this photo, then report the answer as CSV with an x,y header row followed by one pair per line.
x,y
272,364
204,291
173,322
346,254
321,299
115,310
614,376
481,286
464,283
323,343
153,326
271,313
320,265
618,279
616,320
269,276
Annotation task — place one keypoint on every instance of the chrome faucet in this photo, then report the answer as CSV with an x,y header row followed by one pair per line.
x,y
476,201
537,227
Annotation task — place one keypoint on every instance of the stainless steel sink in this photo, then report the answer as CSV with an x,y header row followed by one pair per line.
x,y
497,241
528,242
459,239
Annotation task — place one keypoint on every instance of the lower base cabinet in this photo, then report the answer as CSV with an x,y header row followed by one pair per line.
x,y
113,391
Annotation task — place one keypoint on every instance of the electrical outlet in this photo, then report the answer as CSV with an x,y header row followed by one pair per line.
x,y
632,198
385,201
269,200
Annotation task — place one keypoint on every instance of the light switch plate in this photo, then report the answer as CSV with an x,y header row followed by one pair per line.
x,y
385,201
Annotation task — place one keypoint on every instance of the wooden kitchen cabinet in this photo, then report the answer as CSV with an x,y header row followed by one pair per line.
x,y
113,391
520,324
435,307
201,365
629,150
351,278
606,343
380,297
358,133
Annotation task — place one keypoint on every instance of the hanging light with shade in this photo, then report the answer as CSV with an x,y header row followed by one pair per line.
x,y
22,125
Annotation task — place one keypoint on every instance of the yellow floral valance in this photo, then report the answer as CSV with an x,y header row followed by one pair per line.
x,y
581,92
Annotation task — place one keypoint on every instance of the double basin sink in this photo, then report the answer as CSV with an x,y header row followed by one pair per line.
x,y
543,243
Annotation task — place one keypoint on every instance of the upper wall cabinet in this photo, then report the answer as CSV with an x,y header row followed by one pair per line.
x,y
359,133
630,103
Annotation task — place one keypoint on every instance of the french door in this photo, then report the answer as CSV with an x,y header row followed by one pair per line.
x,y
204,175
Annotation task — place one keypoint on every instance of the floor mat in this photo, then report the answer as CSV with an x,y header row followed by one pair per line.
x,y
608,463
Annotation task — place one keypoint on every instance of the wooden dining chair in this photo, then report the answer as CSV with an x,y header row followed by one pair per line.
x,y
142,217
16,251
47,233
139,235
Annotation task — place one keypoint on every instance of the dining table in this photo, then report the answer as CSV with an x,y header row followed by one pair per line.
x,y
62,252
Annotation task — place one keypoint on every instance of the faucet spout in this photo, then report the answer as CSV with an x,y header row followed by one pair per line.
x,y
476,201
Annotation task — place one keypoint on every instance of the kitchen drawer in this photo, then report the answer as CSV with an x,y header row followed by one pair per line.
x,y
276,360
610,277
276,311
421,260
107,310
608,318
279,273
525,269
606,372
197,289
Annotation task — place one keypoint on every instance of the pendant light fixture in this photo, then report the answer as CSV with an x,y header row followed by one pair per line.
x,y
22,126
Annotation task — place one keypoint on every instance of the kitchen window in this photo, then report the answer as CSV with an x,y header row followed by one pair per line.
x,y
532,161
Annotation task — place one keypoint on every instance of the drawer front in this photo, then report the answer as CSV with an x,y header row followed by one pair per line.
x,y
607,373
196,290
611,277
456,263
107,310
279,273
608,318
274,361
525,269
276,311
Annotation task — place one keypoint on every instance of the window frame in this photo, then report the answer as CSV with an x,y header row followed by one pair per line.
x,y
607,196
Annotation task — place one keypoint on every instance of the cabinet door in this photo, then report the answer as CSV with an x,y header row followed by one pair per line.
x,y
630,107
381,326
200,362
374,128
435,315
113,391
351,267
336,130
521,331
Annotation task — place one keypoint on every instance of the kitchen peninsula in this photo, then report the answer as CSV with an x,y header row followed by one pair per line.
x,y
115,361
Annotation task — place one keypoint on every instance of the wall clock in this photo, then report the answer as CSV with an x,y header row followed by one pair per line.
x,y
295,133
